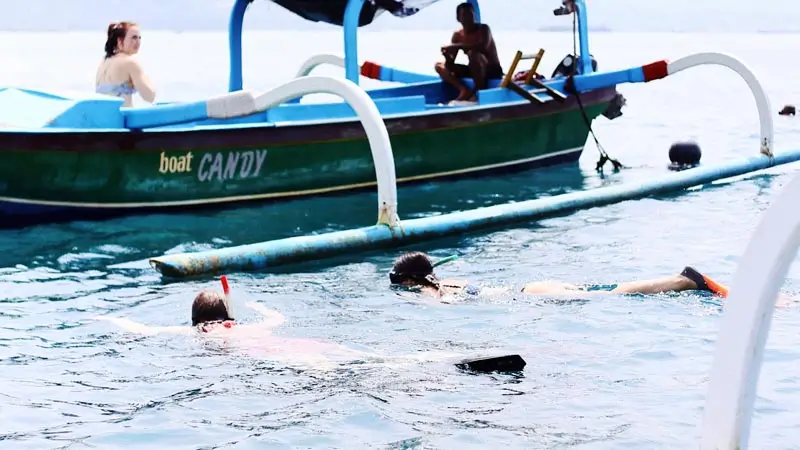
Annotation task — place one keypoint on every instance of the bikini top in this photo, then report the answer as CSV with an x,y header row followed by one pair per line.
x,y
119,89
469,288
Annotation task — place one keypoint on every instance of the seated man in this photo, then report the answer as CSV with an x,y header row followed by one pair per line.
x,y
476,40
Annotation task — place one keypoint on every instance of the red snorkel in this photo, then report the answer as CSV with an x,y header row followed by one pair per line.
x,y
227,291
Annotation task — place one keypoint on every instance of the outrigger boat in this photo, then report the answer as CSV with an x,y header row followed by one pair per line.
x,y
65,157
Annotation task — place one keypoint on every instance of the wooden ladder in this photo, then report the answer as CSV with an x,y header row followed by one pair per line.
x,y
530,78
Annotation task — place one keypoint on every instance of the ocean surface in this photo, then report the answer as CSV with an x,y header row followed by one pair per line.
x,y
613,372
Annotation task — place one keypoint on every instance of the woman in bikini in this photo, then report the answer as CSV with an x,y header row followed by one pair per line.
x,y
120,74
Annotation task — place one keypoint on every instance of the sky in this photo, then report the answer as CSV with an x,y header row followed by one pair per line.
x,y
776,16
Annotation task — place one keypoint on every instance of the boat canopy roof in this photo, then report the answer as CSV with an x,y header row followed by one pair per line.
x,y
332,11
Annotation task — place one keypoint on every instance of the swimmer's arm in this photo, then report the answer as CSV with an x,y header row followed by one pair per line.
x,y
136,327
272,318
141,81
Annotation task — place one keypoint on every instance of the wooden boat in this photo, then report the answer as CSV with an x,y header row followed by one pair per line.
x,y
64,157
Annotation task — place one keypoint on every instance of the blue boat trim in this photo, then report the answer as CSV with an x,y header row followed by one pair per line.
x,y
42,111
268,254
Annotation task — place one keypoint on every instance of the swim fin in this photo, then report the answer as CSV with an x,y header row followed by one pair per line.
x,y
505,363
705,283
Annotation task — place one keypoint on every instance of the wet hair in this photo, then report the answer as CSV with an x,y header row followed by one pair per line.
x,y
116,31
465,5
209,306
415,267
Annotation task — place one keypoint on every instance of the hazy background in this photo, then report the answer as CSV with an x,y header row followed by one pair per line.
x,y
773,16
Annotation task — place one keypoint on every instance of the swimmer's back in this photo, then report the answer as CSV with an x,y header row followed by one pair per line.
x,y
122,76
467,288
114,70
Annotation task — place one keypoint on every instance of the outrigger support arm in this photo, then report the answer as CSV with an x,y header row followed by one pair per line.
x,y
235,44
351,15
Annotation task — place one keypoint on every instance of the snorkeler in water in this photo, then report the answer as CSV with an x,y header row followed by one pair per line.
x,y
209,315
212,316
415,270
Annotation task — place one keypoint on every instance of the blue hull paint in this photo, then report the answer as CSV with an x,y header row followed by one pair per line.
x,y
15,214
304,248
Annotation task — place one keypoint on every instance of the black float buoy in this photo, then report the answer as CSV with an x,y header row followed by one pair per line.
x,y
505,363
684,155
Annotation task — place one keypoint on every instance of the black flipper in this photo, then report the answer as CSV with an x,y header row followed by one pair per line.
x,y
505,363
697,277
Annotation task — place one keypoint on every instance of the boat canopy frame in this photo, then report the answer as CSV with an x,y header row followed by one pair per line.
x,y
350,25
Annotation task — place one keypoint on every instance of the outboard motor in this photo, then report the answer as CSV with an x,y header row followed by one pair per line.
x,y
614,108
569,65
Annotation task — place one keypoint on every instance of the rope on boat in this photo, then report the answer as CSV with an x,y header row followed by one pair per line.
x,y
569,86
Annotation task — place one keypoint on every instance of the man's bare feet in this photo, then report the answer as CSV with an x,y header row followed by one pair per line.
x,y
466,95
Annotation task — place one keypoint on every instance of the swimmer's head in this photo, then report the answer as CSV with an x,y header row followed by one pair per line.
x,y
122,37
465,13
413,269
209,306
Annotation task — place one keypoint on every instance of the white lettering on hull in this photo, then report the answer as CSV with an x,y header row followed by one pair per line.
x,y
217,166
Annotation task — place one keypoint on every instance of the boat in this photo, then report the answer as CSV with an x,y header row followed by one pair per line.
x,y
79,156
